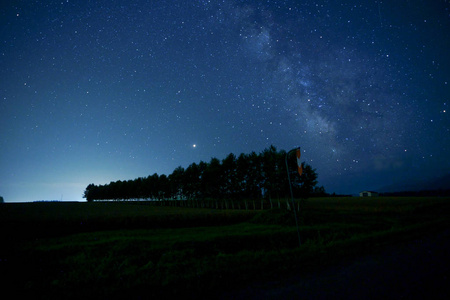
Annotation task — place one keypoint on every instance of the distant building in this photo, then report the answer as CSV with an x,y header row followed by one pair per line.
x,y
368,194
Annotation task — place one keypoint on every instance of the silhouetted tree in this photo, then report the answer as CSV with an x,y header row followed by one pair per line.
x,y
319,191
308,181
164,187
191,181
229,179
242,165
90,193
255,177
269,170
281,175
152,186
212,179
176,182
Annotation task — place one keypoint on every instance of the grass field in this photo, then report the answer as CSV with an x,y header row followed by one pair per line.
x,y
133,249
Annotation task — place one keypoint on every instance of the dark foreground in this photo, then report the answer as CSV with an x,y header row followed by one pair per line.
x,y
351,249
418,269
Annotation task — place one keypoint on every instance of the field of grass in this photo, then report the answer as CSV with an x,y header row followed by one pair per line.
x,y
73,250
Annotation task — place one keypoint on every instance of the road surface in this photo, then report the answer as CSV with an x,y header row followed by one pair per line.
x,y
418,269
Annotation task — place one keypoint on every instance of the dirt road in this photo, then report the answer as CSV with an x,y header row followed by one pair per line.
x,y
418,269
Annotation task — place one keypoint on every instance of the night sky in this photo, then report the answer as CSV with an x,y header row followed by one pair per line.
x,y
99,91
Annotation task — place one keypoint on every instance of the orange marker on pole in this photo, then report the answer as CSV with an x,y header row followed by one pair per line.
x,y
299,163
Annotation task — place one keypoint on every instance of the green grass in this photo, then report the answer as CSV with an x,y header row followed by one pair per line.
x,y
131,249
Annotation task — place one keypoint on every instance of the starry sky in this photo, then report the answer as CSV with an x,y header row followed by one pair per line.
x,y
99,91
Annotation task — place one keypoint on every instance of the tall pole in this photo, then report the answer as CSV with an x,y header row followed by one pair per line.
x,y
292,194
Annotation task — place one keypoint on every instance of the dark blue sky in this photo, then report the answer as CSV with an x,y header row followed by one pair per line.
x,y
99,91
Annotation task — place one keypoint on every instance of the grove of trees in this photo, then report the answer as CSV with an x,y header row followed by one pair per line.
x,y
248,176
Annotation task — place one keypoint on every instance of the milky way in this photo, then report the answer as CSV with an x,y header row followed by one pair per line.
x,y
111,90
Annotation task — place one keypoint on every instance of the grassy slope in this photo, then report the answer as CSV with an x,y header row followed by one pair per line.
x,y
56,249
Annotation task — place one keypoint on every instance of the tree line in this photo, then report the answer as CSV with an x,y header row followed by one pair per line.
x,y
248,176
